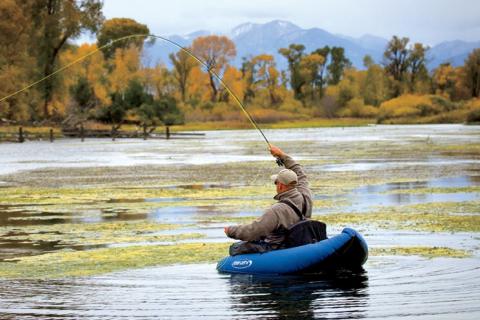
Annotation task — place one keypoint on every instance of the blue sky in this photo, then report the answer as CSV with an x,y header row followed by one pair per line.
x,y
427,21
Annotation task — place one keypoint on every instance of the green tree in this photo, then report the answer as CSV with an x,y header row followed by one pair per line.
x,y
83,95
117,28
472,73
294,54
321,80
54,22
396,62
417,64
337,65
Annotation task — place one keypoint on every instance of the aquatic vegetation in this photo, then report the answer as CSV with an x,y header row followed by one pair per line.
x,y
94,234
426,252
432,217
471,189
92,262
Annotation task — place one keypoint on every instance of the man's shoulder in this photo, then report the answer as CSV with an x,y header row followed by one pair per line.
x,y
279,206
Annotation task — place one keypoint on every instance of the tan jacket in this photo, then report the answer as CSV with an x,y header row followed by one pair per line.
x,y
271,226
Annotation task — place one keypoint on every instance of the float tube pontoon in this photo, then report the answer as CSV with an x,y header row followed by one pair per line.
x,y
346,250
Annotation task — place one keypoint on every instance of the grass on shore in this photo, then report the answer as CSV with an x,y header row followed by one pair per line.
x,y
203,126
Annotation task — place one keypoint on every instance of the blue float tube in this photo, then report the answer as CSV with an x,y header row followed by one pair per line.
x,y
346,250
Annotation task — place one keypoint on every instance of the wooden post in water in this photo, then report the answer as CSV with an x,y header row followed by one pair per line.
x,y
144,131
113,133
21,138
82,132
167,132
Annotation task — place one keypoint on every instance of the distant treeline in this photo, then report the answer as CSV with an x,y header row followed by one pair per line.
x,y
113,86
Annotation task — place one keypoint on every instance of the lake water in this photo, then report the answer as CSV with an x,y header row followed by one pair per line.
x,y
391,287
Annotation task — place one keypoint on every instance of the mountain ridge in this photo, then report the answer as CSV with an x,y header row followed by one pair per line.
x,y
257,38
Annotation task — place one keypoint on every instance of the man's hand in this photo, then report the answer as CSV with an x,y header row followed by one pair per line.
x,y
276,151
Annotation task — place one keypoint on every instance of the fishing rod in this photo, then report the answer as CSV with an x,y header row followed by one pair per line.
x,y
187,51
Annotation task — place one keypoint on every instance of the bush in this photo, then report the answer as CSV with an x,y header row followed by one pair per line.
x,y
272,116
473,116
356,108
408,106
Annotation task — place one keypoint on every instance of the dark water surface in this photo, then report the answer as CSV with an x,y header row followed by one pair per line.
x,y
442,288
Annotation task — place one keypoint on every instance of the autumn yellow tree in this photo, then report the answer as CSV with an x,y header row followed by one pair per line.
x,y
311,67
93,69
16,64
53,24
216,52
267,77
444,78
126,66
183,64
232,78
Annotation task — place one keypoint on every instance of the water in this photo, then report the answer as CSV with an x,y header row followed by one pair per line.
x,y
386,290
219,146
391,287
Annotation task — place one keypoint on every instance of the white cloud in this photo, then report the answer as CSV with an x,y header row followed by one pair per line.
x,y
427,21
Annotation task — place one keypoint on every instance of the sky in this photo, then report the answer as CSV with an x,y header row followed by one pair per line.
x,y
425,21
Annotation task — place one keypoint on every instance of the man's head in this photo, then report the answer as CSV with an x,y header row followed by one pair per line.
x,y
285,180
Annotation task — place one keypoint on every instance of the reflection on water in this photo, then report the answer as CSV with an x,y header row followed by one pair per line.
x,y
390,194
340,295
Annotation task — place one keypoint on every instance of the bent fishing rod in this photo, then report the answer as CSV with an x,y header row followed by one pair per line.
x,y
208,67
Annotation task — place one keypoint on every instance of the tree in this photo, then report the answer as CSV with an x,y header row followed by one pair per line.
x,y
126,67
322,74
133,97
444,79
216,52
183,64
54,23
337,65
396,62
266,76
294,54
248,71
117,28
16,61
232,77
472,73
311,69
375,86
368,61
82,93
417,64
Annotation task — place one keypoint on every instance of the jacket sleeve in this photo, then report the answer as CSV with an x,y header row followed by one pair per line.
x,y
303,185
297,168
256,230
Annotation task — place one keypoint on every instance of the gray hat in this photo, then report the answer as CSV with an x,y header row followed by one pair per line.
x,y
286,177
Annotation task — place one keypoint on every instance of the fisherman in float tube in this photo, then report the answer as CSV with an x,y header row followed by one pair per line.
x,y
294,203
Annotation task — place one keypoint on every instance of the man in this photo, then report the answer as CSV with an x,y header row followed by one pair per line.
x,y
268,231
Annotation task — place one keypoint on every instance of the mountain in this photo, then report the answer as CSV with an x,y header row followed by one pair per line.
x,y
454,52
253,38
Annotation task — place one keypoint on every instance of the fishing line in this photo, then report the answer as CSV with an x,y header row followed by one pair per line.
x,y
187,51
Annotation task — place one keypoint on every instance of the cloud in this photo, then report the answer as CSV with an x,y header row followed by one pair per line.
x,y
428,21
